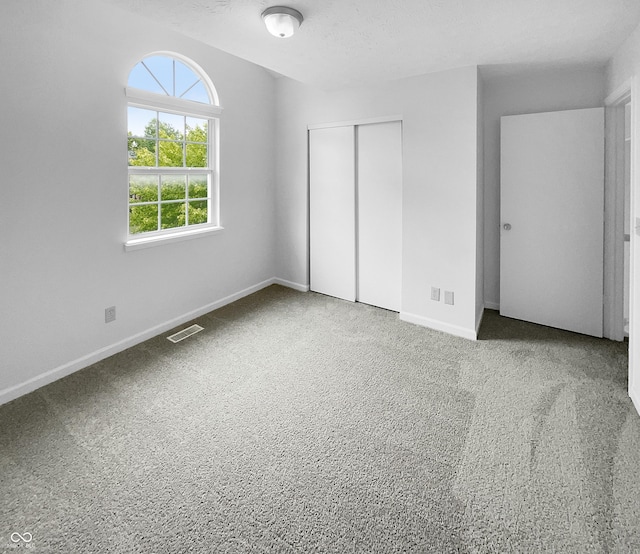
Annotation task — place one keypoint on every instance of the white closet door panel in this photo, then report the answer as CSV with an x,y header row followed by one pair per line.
x,y
332,211
379,194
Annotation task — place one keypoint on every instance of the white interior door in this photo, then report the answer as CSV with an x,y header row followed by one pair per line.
x,y
552,210
379,213
332,211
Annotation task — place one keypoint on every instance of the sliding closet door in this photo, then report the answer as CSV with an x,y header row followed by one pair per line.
x,y
332,211
379,196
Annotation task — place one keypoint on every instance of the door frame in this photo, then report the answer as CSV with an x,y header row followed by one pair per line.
x,y
613,327
355,122
614,182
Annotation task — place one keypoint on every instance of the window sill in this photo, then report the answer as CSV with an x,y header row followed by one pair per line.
x,y
157,240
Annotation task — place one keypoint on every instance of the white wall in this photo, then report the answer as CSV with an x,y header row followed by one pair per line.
x,y
622,69
520,93
439,113
63,213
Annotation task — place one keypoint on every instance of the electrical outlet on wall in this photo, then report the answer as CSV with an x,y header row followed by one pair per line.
x,y
110,314
448,297
435,294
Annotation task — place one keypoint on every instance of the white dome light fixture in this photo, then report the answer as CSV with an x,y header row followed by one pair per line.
x,y
282,22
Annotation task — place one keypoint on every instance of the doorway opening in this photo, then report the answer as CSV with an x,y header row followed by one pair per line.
x,y
617,293
622,229
626,170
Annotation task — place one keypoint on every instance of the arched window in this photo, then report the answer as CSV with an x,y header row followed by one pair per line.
x,y
172,136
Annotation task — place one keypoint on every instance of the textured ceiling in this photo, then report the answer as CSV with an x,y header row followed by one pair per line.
x,y
353,42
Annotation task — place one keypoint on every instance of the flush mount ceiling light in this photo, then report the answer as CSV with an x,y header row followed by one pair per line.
x,y
282,22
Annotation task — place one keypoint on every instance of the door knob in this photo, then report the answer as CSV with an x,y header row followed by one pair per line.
x,y
507,226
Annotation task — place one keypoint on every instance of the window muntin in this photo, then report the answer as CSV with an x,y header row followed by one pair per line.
x,y
172,156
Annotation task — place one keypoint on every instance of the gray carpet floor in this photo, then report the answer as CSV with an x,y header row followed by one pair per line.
x,y
300,423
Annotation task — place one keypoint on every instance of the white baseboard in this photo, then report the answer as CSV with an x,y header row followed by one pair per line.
x,y
492,306
59,372
635,398
456,330
291,284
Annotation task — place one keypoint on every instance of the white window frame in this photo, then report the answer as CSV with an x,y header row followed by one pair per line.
x,y
139,98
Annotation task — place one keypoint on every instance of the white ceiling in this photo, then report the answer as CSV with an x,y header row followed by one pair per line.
x,y
353,42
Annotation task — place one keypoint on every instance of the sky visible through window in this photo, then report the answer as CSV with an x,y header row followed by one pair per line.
x,y
168,76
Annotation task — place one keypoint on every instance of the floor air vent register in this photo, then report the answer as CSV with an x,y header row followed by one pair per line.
x,y
181,335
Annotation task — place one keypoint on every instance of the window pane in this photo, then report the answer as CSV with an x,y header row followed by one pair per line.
x,y
196,129
198,186
143,188
172,215
162,69
142,79
143,218
168,76
142,123
170,154
198,212
173,187
170,126
196,155
185,79
142,152
197,94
